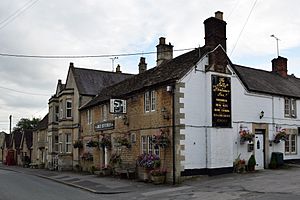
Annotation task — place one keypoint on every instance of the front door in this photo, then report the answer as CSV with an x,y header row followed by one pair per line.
x,y
259,149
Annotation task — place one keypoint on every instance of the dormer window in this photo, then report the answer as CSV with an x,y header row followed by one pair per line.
x,y
290,108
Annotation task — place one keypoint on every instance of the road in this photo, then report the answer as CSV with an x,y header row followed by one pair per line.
x,y
266,185
18,186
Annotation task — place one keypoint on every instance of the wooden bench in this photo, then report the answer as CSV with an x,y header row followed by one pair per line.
x,y
126,171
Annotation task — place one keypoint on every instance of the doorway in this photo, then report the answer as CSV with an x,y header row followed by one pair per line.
x,y
259,148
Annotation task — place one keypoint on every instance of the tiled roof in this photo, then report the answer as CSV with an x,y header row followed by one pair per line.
x,y
256,80
8,140
43,124
90,82
28,138
163,74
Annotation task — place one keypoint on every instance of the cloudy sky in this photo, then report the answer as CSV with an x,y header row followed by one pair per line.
x,y
95,27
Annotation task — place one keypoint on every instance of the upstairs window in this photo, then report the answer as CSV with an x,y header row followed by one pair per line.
x,y
56,114
104,113
61,109
150,101
89,116
69,108
290,108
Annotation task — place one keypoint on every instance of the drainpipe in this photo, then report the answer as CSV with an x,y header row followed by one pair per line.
x,y
173,134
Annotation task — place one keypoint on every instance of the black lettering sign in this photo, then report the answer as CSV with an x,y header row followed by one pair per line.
x,y
221,101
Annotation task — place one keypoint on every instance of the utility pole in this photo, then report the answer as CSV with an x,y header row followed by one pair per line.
x,y
10,118
276,38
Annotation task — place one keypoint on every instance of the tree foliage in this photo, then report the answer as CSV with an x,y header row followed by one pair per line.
x,y
26,124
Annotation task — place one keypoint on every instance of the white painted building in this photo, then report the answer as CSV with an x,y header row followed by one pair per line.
x,y
262,103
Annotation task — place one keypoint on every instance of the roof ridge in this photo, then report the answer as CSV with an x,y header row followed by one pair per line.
x,y
88,69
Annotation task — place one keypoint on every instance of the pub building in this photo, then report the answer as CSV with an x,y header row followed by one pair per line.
x,y
203,103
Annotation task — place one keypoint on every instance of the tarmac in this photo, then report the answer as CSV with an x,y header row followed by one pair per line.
x,y
92,183
116,185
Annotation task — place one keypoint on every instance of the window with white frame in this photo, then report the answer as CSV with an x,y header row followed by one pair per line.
x,y
68,108
68,143
290,109
291,142
150,101
148,147
89,116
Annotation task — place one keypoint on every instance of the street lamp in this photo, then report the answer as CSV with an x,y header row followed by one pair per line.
x,y
276,43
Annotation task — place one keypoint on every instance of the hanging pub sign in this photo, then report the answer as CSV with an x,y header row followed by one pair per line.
x,y
117,106
102,126
221,101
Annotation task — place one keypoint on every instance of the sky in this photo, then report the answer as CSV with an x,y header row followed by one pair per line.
x,y
94,27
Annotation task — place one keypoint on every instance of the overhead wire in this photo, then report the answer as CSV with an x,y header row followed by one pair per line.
x,y
28,93
240,34
18,12
83,56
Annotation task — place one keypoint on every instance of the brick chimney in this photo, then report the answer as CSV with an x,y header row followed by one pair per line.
x,y
142,65
215,31
164,51
279,65
118,69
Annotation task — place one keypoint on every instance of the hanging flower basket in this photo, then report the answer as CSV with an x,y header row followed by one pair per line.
x,y
281,135
123,141
78,144
246,136
161,140
105,142
92,143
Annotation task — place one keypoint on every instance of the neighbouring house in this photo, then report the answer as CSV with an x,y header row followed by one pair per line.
x,y
40,143
64,120
2,139
26,148
12,148
203,104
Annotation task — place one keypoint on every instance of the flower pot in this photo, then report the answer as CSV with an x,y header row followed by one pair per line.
x,y
158,179
143,174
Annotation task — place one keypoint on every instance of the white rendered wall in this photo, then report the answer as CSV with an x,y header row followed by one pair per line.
x,y
208,147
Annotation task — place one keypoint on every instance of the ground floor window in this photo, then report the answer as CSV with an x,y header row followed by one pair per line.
x,y
148,147
291,144
68,143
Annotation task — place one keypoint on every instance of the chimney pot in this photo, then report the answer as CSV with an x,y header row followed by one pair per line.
x,y
71,64
118,69
219,15
162,40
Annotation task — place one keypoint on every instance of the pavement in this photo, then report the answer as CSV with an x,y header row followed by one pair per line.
x,y
88,182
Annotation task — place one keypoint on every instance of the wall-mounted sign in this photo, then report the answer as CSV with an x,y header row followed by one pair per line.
x,y
105,126
221,101
117,106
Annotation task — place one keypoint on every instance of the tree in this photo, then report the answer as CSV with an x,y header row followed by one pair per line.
x,y
26,124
